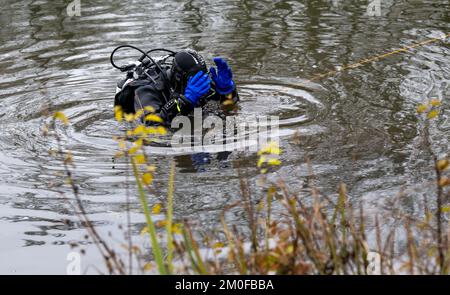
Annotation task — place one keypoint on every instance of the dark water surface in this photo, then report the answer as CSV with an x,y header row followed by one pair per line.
x,y
359,126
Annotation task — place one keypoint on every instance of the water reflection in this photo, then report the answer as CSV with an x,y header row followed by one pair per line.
x,y
203,162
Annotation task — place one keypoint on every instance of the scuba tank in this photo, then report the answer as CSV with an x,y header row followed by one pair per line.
x,y
139,70
167,74
145,70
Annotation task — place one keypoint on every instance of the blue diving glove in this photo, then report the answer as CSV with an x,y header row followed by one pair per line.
x,y
222,79
197,86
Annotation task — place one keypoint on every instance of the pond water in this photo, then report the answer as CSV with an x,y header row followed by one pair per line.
x,y
359,126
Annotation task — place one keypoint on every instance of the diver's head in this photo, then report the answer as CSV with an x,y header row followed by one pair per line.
x,y
186,62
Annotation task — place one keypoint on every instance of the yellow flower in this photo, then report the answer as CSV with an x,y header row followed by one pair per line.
x,y
261,161
433,114
442,164
139,130
153,118
227,102
61,117
422,108
150,130
156,209
271,148
147,178
269,155
149,109
138,114
133,150
139,159
161,130
118,113
139,142
273,162
435,102
161,223
129,117
177,228
218,245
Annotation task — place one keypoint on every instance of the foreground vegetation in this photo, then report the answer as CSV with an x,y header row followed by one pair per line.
x,y
320,235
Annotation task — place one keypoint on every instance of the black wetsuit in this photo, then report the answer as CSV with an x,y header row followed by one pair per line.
x,y
156,91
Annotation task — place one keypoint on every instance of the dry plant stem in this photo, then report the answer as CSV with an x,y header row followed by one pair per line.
x,y
269,197
248,205
101,244
130,240
439,199
303,232
169,230
410,247
362,230
440,244
231,245
192,249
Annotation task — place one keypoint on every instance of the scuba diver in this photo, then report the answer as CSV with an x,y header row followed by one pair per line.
x,y
172,84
